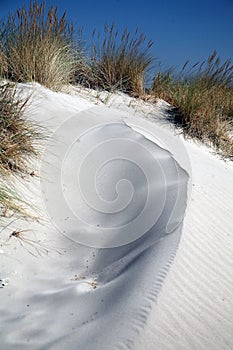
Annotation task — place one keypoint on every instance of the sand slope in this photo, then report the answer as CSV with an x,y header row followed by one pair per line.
x,y
195,308
78,297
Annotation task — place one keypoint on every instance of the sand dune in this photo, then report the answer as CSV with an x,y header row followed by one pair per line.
x,y
194,310
98,288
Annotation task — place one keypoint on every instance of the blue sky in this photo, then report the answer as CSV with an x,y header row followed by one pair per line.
x,y
179,29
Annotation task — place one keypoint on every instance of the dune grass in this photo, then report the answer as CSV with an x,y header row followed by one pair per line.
x,y
36,45
18,136
17,146
203,98
10,203
117,61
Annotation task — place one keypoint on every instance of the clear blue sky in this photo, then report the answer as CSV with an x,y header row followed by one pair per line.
x,y
180,29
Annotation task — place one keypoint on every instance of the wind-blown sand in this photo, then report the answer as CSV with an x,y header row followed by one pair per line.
x,y
78,297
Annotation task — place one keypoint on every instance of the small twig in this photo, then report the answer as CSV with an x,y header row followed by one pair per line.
x,y
26,242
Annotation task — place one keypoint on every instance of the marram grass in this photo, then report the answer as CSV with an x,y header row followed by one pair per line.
x,y
18,140
36,45
203,99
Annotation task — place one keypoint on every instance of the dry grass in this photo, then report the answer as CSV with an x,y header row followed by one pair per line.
x,y
36,45
18,136
203,98
10,203
17,147
116,61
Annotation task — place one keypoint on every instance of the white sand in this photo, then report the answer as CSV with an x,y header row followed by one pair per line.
x,y
78,297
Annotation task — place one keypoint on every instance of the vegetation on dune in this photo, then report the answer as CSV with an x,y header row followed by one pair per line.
x,y
18,138
37,45
203,98
9,201
117,61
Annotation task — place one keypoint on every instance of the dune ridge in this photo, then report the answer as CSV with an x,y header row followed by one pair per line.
x,y
94,298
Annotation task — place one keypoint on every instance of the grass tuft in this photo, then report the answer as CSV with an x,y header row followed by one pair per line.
x,y
203,97
10,203
18,136
117,61
17,146
36,45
